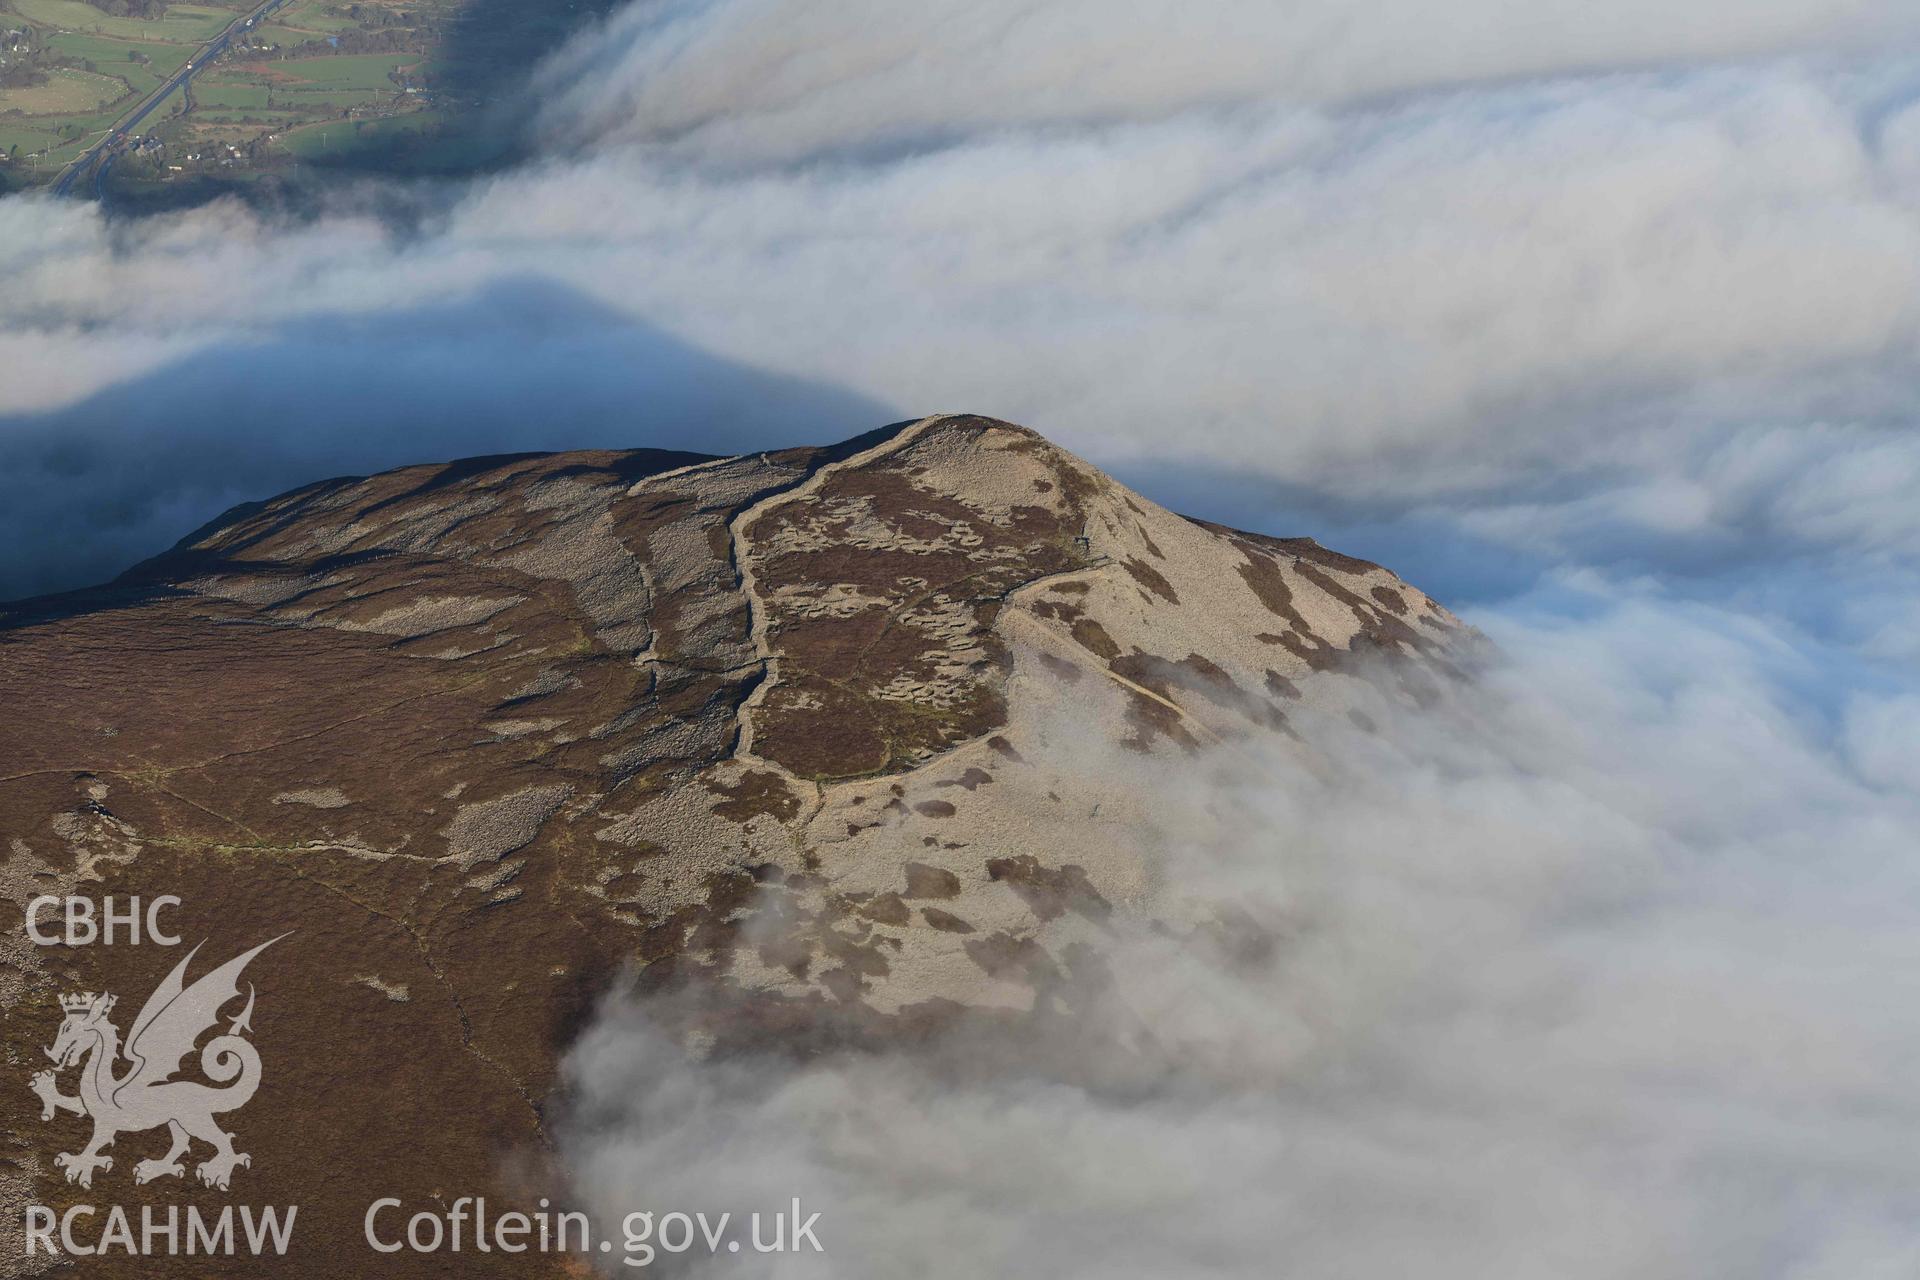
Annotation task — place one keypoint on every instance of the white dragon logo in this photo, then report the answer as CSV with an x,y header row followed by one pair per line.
x,y
146,1096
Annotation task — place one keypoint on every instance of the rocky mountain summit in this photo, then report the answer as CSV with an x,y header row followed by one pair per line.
x,y
484,735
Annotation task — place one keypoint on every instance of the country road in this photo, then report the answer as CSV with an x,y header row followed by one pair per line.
x,y
198,62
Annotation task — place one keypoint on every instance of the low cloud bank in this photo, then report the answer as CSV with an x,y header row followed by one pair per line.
x,y
746,81
1594,970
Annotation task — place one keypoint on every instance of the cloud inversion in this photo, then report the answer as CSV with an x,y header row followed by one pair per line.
x,y
1598,318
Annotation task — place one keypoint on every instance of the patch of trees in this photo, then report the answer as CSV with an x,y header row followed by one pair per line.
x,y
381,16
387,41
23,76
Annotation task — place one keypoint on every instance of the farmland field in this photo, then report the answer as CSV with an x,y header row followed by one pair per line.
x,y
144,66
226,92
66,92
19,134
365,71
311,16
184,23
275,33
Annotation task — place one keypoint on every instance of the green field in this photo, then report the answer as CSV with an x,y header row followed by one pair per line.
x,y
316,140
227,115
21,134
218,92
358,71
277,34
343,138
421,142
65,136
109,57
184,23
308,17
66,92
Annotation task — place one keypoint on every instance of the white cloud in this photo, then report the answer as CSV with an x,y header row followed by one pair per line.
x,y
1560,986
1492,286
784,79
1881,737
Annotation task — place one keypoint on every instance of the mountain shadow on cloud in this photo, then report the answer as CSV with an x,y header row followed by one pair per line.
x,y
90,488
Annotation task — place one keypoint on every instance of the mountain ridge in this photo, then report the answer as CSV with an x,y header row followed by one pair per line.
x,y
843,731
